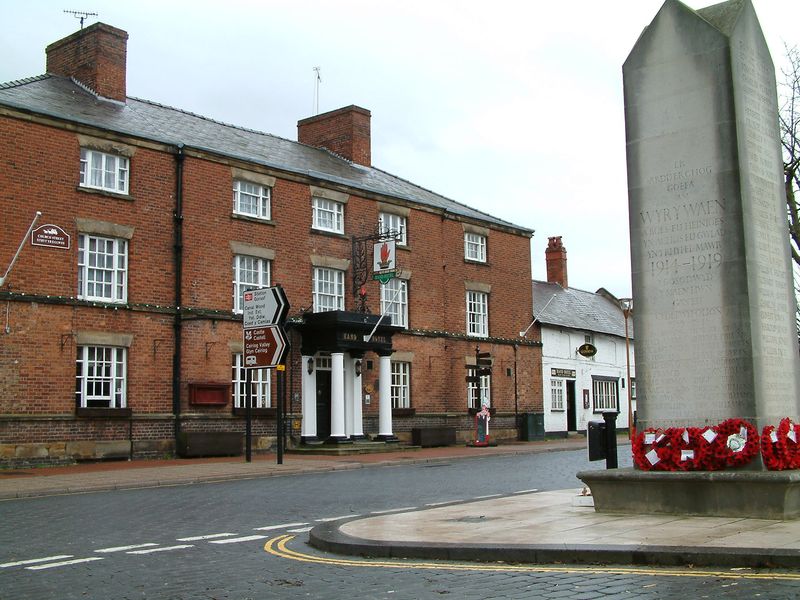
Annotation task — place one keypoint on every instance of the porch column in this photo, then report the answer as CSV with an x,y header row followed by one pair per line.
x,y
308,428
337,397
385,400
358,420
348,396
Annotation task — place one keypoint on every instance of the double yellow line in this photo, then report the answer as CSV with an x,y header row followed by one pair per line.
x,y
277,546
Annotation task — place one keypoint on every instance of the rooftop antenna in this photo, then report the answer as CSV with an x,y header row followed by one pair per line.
x,y
80,15
317,81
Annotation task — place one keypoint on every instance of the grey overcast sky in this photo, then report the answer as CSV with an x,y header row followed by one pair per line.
x,y
514,108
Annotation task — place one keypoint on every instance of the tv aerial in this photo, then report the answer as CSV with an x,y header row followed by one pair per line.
x,y
80,15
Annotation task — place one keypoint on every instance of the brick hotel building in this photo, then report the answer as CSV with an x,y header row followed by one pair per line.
x,y
122,320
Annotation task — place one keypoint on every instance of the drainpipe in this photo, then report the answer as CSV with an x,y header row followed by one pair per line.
x,y
177,326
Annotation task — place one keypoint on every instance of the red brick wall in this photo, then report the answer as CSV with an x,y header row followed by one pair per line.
x,y
37,356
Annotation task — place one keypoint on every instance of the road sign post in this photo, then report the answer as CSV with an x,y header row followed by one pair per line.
x,y
265,346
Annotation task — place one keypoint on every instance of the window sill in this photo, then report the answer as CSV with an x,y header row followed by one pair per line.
x,y
475,411
472,261
252,219
404,412
558,410
104,301
333,234
104,413
270,413
106,193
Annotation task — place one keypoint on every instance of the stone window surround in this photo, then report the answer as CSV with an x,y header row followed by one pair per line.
x,y
103,338
329,262
253,177
243,248
478,286
106,228
318,192
107,146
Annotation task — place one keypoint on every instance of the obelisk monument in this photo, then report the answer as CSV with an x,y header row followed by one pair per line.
x,y
714,304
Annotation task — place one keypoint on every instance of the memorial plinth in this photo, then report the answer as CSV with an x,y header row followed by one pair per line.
x,y
714,302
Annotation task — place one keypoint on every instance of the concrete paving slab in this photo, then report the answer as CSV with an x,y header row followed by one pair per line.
x,y
545,527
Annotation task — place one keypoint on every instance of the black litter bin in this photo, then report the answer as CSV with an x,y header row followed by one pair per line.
x,y
531,427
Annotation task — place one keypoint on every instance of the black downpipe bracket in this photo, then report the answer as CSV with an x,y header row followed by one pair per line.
x,y
177,322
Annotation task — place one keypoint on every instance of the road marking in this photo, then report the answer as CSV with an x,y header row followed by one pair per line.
x,y
445,503
277,547
247,538
161,549
527,491
301,530
393,510
64,563
126,548
210,536
271,527
329,519
487,496
33,561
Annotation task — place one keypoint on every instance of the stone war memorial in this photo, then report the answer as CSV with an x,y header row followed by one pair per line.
x,y
717,364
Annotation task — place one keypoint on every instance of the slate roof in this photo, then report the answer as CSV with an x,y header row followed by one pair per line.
x,y
64,98
578,309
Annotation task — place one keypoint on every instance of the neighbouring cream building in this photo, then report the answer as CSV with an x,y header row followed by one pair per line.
x,y
579,385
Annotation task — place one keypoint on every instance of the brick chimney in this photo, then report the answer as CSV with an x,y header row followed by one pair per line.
x,y
345,131
95,56
556,257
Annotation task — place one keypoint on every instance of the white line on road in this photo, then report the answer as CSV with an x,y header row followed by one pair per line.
x,y
443,503
33,561
301,530
162,549
393,510
335,518
271,527
64,563
487,496
527,491
247,538
210,536
126,548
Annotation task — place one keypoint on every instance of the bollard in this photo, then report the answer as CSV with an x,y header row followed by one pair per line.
x,y
610,419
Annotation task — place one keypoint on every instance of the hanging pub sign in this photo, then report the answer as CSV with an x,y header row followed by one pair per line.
x,y
51,236
587,350
384,261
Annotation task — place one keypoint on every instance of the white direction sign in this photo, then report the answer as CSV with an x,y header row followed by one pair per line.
x,y
264,307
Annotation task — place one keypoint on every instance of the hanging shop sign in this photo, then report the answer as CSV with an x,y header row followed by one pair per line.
x,y
384,261
587,350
